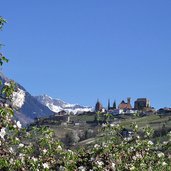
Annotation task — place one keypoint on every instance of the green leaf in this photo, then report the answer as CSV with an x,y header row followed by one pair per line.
x,y
4,59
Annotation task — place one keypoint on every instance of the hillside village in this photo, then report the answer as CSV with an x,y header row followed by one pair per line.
x,y
86,126
140,105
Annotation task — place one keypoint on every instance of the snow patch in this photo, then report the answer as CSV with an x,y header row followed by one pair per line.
x,y
53,107
78,110
69,105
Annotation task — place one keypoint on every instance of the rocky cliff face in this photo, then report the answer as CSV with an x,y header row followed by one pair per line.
x,y
28,106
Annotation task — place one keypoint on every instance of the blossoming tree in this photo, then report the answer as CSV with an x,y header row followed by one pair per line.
x,y
37,149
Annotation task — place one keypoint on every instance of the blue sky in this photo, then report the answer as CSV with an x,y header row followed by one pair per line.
x,y
79,51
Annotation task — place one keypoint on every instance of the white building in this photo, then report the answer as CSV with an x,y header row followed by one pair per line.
x,y
122,111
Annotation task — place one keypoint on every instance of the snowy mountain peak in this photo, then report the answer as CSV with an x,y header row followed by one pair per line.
x,y
57,105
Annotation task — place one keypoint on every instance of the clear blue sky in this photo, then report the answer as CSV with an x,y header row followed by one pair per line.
x,y
83,50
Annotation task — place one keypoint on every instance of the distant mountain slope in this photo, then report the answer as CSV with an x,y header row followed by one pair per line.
x,y
57,105
30,106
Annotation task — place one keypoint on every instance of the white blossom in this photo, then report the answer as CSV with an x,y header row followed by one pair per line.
x,y
6,105
104,145
92,159
96,146
99,163
11,161
70,151
2,133
132,168
82,168
18,98
134,158
16,138
150,143
59,147
45,165
19,124
104,125
34,159
112,125
11,150
128,138
21,156
138,155
165,142
44,151
138,136
21,145
136,126
160,154
7,84
148,133
164,164
113,166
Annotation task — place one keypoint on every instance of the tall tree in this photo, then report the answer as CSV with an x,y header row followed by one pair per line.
x,y
108,104
114,105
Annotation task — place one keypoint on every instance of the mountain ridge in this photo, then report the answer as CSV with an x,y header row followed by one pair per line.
x,y
31,107
57,105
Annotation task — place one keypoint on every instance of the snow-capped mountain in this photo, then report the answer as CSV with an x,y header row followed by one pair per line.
x,y
57,105
29,107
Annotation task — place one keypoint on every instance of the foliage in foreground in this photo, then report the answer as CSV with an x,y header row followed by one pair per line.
x,y
36,149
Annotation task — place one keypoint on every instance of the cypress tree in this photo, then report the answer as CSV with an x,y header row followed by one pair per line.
x,y
114,105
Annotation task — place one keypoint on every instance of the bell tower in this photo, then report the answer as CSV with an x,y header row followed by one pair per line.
x,y
128,100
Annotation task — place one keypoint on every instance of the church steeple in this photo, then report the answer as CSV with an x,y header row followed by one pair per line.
x,y
98,106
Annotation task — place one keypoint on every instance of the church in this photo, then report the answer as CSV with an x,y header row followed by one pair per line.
x,y
98,106
123,105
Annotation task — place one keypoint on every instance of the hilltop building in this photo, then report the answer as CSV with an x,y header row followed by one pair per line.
x,y
123,108
123,105
98,106
126,107
141,104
